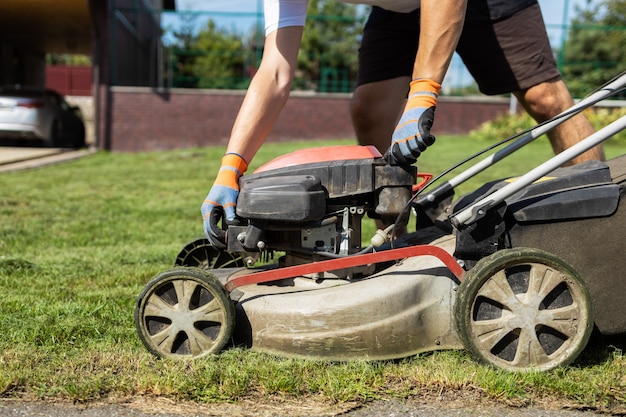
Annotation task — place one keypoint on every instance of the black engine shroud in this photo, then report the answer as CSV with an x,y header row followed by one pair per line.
x,y
317,207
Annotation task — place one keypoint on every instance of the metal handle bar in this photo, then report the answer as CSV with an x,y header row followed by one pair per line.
x,y
477,210
531,135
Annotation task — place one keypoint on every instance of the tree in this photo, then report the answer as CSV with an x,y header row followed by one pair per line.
x,y
182,57
217,58
328,57
594,52
222,58
212,58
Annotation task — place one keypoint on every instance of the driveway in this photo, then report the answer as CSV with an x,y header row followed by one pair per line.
x,y
14,158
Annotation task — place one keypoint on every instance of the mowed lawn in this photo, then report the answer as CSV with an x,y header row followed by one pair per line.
x,y
79,240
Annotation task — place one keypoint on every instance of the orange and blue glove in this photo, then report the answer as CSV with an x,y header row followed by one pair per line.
x,y
412,134
222,198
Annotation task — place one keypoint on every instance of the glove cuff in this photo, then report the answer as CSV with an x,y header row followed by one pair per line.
x,y
234,160
427,91
426,85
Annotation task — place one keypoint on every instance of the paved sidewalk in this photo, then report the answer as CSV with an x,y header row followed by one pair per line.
x,y
18,158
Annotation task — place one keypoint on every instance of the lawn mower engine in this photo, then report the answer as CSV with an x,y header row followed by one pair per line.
x,y
310,204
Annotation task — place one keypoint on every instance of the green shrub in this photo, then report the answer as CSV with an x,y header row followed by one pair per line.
x,y
506,125
603,116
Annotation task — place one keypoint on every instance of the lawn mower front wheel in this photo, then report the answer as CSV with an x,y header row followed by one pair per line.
x,y
184,313
524,309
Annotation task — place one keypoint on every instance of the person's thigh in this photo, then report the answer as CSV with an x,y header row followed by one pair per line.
x,y
388,46
375,108
509,54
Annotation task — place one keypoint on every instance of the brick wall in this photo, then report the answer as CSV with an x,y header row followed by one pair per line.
x,y
141,119
69,80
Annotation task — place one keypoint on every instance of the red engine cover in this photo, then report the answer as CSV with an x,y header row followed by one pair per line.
x,y
323,154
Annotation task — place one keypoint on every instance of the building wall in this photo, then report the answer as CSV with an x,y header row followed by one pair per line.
x,y
141,119
70,80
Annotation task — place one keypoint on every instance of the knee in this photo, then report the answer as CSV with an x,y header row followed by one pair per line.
x,y
545,100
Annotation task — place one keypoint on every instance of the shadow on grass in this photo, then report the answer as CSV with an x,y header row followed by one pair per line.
x,y
602,348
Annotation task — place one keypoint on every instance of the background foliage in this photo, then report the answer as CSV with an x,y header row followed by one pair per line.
x,y
328,58
216,57
506,125
594,52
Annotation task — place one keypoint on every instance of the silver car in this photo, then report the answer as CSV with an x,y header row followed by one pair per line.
x,y
41,116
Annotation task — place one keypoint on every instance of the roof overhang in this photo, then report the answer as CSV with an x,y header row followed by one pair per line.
x,y
60,26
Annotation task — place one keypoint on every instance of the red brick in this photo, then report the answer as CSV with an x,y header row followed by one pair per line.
x,y
140,119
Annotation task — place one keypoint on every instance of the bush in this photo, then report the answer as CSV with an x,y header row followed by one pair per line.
x,y
506,125
603,116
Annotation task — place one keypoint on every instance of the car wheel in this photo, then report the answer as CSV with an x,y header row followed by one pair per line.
x,y
56,135
78,140
524,309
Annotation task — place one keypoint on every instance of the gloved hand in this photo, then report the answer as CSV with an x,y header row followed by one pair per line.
x,y
222,195
412,135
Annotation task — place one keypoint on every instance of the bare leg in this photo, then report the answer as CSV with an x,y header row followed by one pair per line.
x,y
376,108
546,100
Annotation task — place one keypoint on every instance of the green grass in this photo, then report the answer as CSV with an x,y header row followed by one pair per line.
x,y
79,240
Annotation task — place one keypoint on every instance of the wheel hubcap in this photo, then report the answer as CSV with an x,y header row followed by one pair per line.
x,y
183,317
526,317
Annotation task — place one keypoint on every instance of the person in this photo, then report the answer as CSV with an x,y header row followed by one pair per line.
x,y
505,47
441,22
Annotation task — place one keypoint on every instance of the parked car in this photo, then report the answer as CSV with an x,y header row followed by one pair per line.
x,y
40,115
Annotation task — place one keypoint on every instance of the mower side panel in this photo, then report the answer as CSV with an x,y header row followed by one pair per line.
x,y
399,312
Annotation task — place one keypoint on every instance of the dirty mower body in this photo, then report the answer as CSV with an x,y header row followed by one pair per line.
x,y
325,299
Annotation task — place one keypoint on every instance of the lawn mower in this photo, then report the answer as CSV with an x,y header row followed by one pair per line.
x,y
519,272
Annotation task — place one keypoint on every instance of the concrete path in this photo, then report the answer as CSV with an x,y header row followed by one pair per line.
x,y
13,158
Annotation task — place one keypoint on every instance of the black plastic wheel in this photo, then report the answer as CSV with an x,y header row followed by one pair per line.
x,y
524,309
202,254
184,313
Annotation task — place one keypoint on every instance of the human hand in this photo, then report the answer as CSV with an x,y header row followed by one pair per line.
x,y
223,195
412,135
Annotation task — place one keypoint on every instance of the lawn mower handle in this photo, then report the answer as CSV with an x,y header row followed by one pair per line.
x,y
444,189
479,209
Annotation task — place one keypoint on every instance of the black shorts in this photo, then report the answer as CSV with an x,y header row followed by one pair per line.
x,y
504,55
